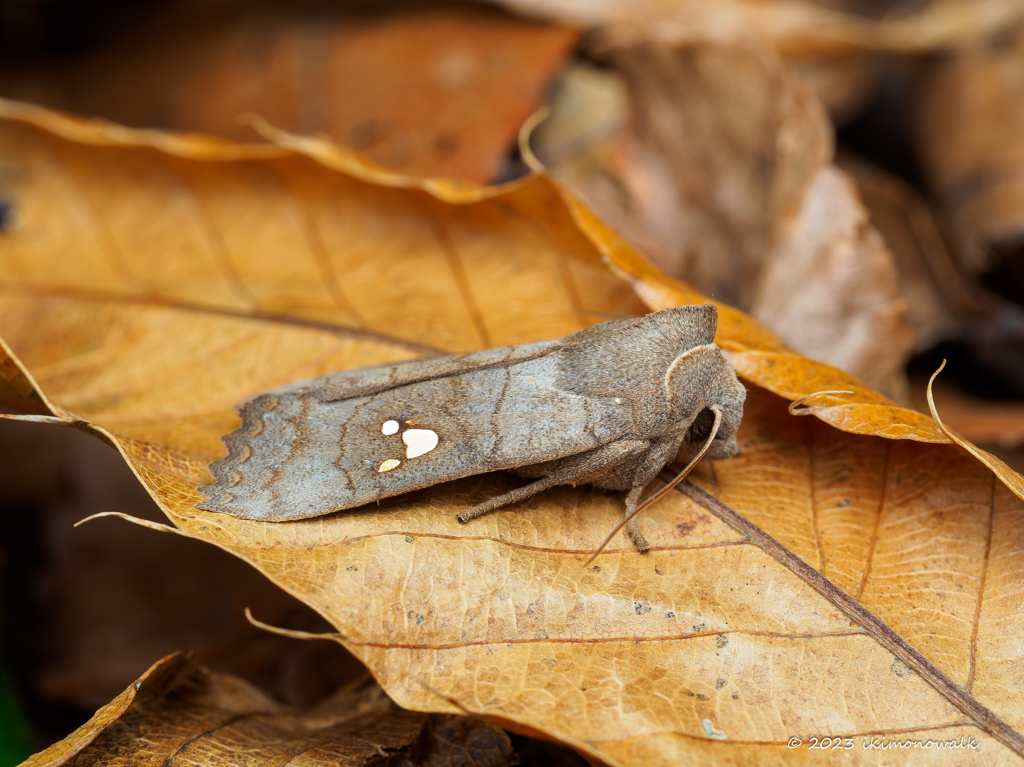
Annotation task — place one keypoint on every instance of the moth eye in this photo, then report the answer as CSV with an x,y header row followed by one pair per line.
x,y
701,426
390,427
388,465
418,441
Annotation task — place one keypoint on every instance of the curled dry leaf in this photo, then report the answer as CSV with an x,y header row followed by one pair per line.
x,y
724,179
830,287
179,710
706,648
938,298
431,93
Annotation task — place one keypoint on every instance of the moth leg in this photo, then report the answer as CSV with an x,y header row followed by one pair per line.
x,y
576,468
638,476
633,526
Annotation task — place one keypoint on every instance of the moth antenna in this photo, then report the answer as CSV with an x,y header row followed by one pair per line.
x,y
678,478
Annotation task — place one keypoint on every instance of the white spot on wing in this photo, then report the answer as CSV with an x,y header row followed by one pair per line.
x,y
388,465
418,441
389,428
711,731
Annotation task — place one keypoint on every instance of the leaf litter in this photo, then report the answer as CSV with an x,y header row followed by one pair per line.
x,y
179,710
497,618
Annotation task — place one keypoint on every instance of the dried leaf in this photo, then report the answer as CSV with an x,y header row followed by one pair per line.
x,y
943,307
434,93
724,180
63,751
706,649
723,146
938,298
179,710
588,105
843,84
830,287
834,48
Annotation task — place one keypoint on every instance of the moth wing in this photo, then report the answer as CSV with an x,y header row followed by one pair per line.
x,y
388,430
366,381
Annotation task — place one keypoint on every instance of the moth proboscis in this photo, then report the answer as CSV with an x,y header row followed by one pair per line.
x,y
609,406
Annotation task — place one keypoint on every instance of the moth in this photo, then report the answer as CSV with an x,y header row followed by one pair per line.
x,y
610,406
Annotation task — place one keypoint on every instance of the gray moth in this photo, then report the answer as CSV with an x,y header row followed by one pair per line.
x,y
610,406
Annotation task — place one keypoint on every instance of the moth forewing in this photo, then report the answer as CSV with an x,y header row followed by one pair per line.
x,y
302,456
609,405
366,381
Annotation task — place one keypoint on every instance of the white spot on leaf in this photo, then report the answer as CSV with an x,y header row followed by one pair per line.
x,y
388,465
418,441
389,428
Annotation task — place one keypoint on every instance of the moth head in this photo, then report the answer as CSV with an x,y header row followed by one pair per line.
x,y
699,382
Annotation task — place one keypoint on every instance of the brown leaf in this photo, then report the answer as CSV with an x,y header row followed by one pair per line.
x,y
724,179
179,710
434,93
706,649
830,287
797,28
723,146
843,84
67,749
